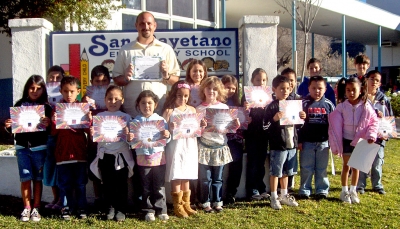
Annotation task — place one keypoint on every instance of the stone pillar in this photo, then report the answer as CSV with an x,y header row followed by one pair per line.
x,y
30,50
258,47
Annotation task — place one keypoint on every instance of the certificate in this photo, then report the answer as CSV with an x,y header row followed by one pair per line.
x,y
243,116
147,134
97,96
258,96
27,119
53,91
72,116
194,96
146,68
363,156
187,125
387,127
291,110
109,128
221,121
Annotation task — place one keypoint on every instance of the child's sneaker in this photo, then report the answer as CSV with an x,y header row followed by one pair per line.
x,y
150,217
111,213
65,214
275,203
26,213
289,200
35,216
265,196
345,197
354,198
163,217
119,217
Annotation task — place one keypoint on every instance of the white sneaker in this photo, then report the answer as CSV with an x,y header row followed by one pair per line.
x,y
35,216
275,203
345,197
289,200
150,217
26,213
354,198
163,217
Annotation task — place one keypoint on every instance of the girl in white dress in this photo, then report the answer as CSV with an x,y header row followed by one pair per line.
x,y
181,154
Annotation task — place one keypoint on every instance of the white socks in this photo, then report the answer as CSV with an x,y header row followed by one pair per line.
x,y
345,189
284,192
274,195
352,188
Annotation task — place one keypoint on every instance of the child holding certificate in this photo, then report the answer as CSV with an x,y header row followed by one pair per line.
x,y
151,161
71,155
382,106
54,74
256,144
181,154
99,77
114,161
214,152
196,72
31,148
235,141
352,120
282,144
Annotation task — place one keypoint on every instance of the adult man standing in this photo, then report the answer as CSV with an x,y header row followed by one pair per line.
x,y
145,45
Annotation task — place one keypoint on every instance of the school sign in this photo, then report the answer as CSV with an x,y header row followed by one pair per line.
x,y
78,52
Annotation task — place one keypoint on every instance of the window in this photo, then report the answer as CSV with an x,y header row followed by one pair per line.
x,y
204,27
206,10
162,24
132,4
182,25
128,21
183,8
160,6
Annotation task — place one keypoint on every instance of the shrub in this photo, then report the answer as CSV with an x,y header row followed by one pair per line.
x,y
394,101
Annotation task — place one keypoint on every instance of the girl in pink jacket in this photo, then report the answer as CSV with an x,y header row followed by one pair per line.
x,y
348,123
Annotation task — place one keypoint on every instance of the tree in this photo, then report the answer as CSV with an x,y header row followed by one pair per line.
x,y
305,13
86,14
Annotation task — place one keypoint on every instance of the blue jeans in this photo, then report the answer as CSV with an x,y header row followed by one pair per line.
x,y
210,179
314,161
235,167
73,176
282,162
376,172
30,164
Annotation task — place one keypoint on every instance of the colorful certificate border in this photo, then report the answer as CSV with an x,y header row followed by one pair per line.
x,y
135,127
179,133
390,122
243,116
210,114
61,107
295,105
98,122
15,116
264,94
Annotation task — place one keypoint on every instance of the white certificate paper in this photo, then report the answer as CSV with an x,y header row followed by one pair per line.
x,y
108,128
97,94
258,96
188,125
72,115
27,119
53,92
363,156
146,68
291,110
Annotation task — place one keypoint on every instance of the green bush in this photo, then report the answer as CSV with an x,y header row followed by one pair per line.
x,y
394,101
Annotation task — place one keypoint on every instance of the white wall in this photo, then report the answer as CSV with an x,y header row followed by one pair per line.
x,y
5,57
390,55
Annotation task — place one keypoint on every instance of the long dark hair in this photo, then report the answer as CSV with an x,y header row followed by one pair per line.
x,y
189,68
144,94
43,99
363,91
170,100
231,79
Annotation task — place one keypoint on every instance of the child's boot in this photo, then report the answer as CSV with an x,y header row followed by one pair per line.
x,y
186,203
178,204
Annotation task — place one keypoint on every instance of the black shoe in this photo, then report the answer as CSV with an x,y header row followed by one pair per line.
x,y
230,199
119,217
65,214
380,191
111,213
321,196
303,197
82,214
361,190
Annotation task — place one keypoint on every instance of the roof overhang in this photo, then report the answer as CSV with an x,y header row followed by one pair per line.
x,y
362,20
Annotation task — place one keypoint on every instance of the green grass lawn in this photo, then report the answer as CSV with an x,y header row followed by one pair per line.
x,y
375,211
